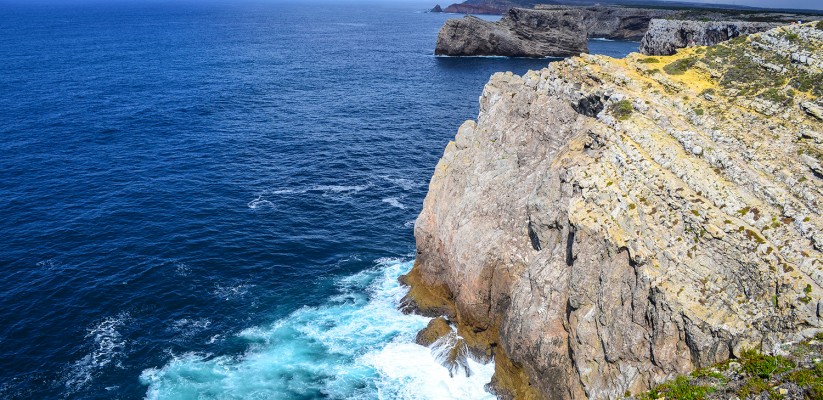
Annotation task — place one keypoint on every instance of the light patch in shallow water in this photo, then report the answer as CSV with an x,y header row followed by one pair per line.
x,y
356,346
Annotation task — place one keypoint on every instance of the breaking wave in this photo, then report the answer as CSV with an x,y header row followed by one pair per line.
x,y
356,346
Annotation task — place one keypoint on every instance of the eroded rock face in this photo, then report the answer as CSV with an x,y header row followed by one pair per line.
x,y
605,225
664,37
520,33
614,22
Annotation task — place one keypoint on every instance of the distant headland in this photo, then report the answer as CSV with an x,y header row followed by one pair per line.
x,y
558,30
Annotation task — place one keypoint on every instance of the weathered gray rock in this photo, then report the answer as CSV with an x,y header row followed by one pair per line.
x,y
520,33
576,233
614,22
815,110
664,37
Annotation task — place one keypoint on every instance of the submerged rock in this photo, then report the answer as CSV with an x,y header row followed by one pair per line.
x,y
608,224
436,329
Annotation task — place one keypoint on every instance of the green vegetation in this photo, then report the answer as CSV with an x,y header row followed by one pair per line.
x,y
679,389
809,379
808,83
760,365
622,109
757,376
806,294
775,95
648,60
753,387
698,111
819,25
791,36
750,71
680,66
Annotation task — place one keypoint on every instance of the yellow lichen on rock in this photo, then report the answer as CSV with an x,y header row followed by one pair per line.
x,y
607,224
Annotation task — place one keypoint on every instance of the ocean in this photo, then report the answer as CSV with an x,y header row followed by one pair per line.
x,y
215,200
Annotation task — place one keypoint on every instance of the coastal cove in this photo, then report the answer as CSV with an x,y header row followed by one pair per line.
x,y
217,199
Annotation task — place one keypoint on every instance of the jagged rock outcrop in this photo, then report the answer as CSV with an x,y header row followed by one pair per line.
x,y
607,224
521,33
664,37
615,22
436,9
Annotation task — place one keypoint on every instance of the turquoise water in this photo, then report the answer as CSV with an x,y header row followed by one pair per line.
x,y
214,200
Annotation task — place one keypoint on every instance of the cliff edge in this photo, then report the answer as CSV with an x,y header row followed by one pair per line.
x,y
665,37
607,224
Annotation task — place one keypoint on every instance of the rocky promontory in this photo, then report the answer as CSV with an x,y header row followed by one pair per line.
x,y
489,7
520,33
608,224
664,37
553,30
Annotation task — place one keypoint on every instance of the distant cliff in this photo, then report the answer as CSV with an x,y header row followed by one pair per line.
x,y
548,30
614,22
496,7
607,224
520,33
664,37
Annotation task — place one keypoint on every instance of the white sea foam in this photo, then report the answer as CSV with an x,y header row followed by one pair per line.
x,y
259,203
403,183
600,39
409,223
107,350
333,191
186,328
394,202
356,346
181,268
232,291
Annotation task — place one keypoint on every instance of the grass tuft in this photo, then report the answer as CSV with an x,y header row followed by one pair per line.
x,y
622,109
680,66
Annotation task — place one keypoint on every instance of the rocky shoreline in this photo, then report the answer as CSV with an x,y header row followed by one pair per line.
x,y
558,31
606,225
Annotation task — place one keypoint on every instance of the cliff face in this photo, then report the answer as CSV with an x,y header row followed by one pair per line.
x,y
520,33
607,224
613,22
496,7
664,37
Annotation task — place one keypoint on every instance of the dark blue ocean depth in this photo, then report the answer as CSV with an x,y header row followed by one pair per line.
x,y
175,176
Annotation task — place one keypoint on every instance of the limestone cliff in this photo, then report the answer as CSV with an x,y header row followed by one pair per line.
x,y
497,7
520,33
608,224
664,37
615,22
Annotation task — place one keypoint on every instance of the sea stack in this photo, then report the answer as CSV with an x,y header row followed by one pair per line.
x,y
520,33
607,224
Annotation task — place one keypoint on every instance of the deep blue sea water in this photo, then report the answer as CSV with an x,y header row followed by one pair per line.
x,y
214,201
